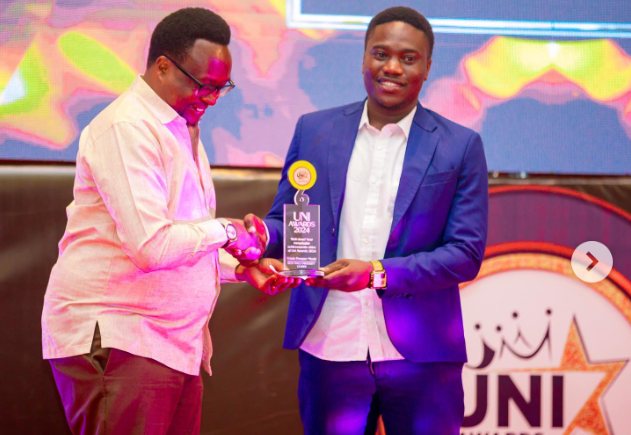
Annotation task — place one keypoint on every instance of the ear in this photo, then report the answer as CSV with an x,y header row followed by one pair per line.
x,y
162,65
429,66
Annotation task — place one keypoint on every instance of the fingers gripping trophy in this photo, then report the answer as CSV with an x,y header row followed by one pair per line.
x,y
301,254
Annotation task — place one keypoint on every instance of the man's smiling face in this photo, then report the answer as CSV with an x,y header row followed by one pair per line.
x,y
396,63
208,62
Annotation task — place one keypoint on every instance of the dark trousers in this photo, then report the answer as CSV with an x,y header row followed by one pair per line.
x,y
112,392
346,398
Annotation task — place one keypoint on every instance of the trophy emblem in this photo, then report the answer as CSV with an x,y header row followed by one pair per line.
x,y
301,241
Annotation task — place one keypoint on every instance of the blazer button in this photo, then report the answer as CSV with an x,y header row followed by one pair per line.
x,y
333,232
408,296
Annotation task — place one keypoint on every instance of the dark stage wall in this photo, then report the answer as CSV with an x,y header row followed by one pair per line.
x,y
253,389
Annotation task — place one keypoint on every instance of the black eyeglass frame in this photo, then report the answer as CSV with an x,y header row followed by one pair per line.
x,y
220,91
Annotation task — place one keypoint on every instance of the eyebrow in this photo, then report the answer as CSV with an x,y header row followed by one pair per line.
x,y
386,47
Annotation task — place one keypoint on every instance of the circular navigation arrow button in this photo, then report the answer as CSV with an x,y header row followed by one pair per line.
x,y
592,261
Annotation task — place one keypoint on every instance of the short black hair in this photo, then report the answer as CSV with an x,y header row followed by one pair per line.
x,y
178,31
406,15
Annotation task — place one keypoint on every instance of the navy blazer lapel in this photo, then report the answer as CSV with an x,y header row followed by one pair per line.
x,y
418,156
341,147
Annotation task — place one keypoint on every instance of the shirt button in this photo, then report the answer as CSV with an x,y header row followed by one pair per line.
x,y
366,241
380,147
373,180
369,212
366,303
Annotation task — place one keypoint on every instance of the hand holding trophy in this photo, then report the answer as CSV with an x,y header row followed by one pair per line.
x,y
301,241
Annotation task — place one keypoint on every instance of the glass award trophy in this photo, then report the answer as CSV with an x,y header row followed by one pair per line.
x,y
301,253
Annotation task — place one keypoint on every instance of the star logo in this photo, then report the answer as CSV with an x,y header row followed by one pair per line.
x,y
592,417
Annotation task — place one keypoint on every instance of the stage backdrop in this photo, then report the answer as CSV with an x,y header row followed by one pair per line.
x,y
546,83
548,353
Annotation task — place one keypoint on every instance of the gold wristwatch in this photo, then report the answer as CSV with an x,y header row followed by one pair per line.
x,y
378,279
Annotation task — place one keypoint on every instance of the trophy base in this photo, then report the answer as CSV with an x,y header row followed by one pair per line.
x,y
302,273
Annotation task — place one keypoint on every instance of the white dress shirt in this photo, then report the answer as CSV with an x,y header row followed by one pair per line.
x,y
352,324
140,252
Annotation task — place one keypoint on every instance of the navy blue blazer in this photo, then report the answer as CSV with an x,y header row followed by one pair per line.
x,y
438,233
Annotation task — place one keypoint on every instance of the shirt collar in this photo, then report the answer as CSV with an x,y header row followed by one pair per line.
x,y
405,124
155,104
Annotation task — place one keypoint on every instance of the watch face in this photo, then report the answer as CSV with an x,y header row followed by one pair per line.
x,y
378,280
231,232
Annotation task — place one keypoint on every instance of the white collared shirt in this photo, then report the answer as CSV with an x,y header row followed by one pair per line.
x,y
352,324
140,252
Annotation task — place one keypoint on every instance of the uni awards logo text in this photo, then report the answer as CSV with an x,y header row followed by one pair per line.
x,y
546,353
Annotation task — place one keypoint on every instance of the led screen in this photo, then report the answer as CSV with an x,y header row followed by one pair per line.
x,y
546,83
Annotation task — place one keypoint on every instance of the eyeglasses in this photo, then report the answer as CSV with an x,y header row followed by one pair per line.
x,y
204,90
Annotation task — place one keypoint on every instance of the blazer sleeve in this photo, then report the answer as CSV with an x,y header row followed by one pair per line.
x,y
460,256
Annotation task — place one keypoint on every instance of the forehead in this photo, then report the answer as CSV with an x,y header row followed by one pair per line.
x,y
205,56
398,35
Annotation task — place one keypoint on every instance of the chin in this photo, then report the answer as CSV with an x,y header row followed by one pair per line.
x,y
192,121
391,105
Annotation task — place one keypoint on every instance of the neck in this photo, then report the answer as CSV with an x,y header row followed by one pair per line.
x,y
379,116
150,78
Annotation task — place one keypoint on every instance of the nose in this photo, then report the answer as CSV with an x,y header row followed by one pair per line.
x,y
211,99
393,67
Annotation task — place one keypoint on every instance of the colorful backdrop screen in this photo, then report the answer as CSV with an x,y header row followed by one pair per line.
x,y
546,83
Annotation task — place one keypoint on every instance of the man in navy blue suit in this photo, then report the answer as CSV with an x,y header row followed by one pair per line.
x,y
404,202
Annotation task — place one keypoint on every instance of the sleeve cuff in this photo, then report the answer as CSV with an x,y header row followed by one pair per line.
x,y
227,267
266,235
214,235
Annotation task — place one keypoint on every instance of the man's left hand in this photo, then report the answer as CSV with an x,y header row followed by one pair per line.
x,y
251,239
345,275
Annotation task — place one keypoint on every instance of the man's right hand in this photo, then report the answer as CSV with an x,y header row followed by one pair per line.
x,y
264,276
